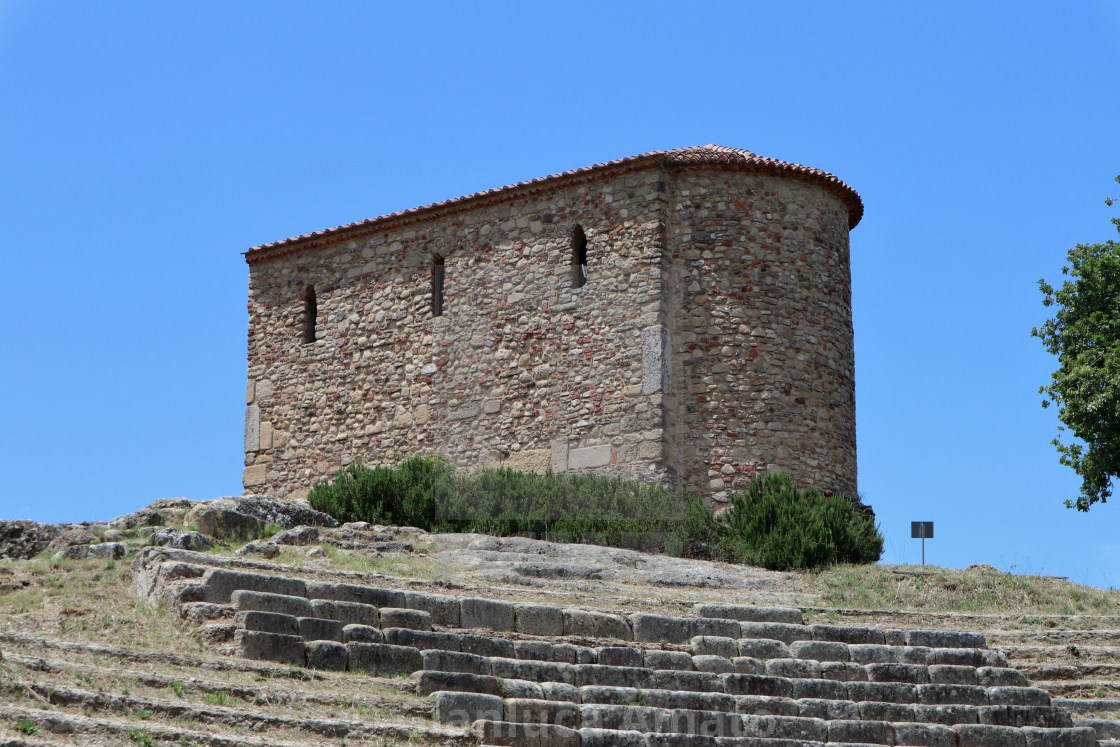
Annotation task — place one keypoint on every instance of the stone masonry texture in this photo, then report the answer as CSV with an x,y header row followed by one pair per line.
x,y
711,341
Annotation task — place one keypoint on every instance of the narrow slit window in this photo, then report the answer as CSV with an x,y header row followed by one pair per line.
x,y
437,285
310,313
579,258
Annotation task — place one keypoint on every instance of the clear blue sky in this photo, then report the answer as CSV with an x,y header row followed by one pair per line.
x,y
144,146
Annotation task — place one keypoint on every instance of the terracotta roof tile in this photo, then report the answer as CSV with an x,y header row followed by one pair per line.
x,y
704,154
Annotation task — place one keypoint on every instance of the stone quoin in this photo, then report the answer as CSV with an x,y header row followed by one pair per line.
x,y
680,316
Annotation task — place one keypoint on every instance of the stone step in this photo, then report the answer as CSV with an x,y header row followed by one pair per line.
x,y
1052,672
780,731
728,674
935,702
459,708
1088,706
1105,728
212,585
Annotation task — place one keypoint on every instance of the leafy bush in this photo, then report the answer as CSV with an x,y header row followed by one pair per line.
x,y
773,524
425,493
405,495
577,508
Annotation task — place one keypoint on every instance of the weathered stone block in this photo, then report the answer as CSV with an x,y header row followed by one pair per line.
x,y
748,665
260,601
655,360
749,613
885,692
820,689
764,705
529,735
625,717
596,625
793,668
361,634
455,661
422,639
755,684
252,428
612,738
660,628
486,613
397,617
847,634
891,712
561,691
384,659
255,644
619,656
347,613
268,622
964,657
573,654
945,639
948,715
671,679
220,584
915,674
463,709
983,735
443,609
865,732
783,632
862,653
1075,737
429,682
318,629
536,671
324,654
762,648
607,676
828,710
786,727
486,646
539,619
1001,677
819,650
1047,717
703,645
355,593
924,735
949,674
712,663
843,671
1018,696
529,711
712,626
655,659
524,689
589,457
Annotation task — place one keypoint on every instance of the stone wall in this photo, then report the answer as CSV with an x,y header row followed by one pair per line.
x,y
711,341
759,300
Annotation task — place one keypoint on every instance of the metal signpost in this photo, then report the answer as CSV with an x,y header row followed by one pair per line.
x,y
922,530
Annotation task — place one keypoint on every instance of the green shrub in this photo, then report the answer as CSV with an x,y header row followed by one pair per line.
x,y
425,493
773,524
405,495
577,508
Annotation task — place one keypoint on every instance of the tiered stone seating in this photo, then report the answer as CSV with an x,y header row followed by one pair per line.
x,y
730,675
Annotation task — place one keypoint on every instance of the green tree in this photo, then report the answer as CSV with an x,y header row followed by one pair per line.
x,y
1085,335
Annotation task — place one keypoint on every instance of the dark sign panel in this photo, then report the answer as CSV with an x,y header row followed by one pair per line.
x,y
921,529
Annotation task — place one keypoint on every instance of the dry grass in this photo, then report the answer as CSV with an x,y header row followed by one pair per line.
x,y
950,590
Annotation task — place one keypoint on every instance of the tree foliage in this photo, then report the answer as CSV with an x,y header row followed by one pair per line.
x,y
1085,335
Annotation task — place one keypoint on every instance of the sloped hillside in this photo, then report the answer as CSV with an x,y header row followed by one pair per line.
x,y
465,639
